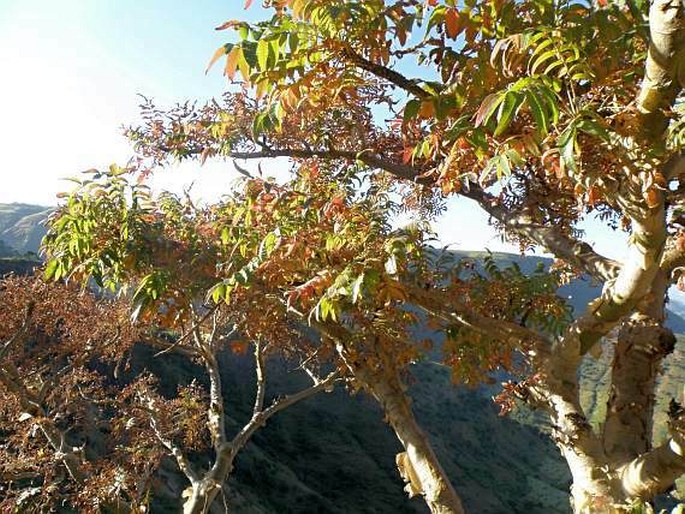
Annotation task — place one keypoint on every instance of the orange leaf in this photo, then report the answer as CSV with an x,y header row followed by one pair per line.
x,y
401,35
217,55
232,61
452,25
651,196
593,196
427,109
407,154
239,347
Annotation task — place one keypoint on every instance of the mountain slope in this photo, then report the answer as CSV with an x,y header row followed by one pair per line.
x,y
21,226
334,454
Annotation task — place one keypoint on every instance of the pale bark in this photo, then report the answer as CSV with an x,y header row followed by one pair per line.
x,y
421,466
655,471
549,237
664,68
205,487
418,465
640,348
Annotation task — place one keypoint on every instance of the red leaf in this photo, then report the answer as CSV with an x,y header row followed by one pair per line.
x,y
239,347
227,25
407,154
248,3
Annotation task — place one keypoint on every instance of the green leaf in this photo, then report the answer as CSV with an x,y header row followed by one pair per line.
x,y
217,292
268,245
263,50
538,112
487,108
567,148
411,110
506,112
594,128
357,288
50,269
225,235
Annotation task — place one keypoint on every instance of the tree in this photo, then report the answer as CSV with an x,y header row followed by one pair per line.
x,y
275,261
544,113
59,441
164,255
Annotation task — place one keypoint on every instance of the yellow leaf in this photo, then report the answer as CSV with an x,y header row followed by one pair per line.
x,y
244,68
232,61
427,109
217,55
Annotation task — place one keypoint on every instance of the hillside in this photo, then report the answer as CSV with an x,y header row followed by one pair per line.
x,y
334,453
21,228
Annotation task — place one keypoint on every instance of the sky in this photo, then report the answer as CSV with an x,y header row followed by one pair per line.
x,y
71,73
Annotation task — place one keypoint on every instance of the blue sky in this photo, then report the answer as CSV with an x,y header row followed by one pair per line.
x,y
72,69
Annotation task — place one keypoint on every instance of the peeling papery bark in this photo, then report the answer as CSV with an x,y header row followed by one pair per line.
x,y
641,345
664,68
418,464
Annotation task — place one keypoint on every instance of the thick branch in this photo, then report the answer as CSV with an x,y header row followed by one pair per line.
x,y
181,459
655,471
664,68
410,86
577,253
216,420
642,344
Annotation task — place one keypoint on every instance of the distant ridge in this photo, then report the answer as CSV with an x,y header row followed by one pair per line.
x,y
21,228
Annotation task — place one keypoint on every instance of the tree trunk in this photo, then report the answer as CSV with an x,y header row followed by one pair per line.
x,y
642,345
204,492
201,497
418,465
590,490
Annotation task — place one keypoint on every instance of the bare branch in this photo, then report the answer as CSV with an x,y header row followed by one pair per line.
x,y
178,344
576,253
261,379
499,329
7,345
402,171
167,347
181,459
410,86
278,405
